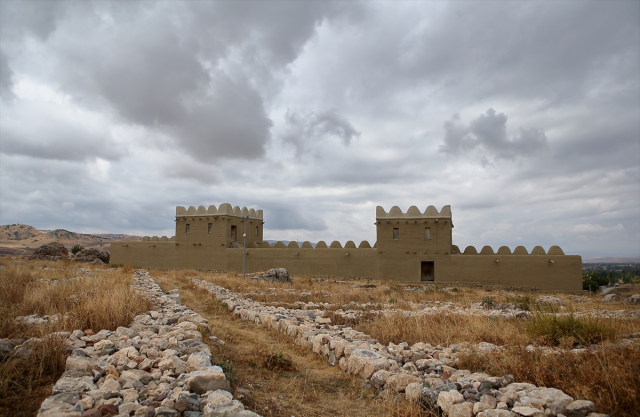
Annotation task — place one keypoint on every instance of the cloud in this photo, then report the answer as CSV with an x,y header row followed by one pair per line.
x,y
47,130
281,218
313,127
488,133
6,77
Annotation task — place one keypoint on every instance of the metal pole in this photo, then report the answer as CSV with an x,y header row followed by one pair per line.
x,y
244,256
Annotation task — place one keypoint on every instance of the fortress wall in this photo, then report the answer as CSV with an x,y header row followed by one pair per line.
x,y
144,254
308,261
565,273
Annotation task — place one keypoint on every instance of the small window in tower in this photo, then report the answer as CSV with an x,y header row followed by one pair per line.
x,y
187,228
210,227
396,233
257,231
427,233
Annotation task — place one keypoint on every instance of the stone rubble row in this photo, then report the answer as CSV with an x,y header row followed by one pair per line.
x,y
353,310
158,366
420,372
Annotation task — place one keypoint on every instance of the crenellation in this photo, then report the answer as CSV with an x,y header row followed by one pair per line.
x,y
224,210
538,250
412,213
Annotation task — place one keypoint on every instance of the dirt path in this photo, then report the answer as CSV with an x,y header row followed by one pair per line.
x,y
298,383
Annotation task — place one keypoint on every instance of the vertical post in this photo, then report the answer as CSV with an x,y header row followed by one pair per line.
x,y
244,244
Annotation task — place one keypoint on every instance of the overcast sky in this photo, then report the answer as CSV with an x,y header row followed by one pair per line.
x,y
523,116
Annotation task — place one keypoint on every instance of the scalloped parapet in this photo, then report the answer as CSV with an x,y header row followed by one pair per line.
x,y
503,250
224,210
520,250
321,245
538,250
413,213
487,250
293,245
555,250
364,245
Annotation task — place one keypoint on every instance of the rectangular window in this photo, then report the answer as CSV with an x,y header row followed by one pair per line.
x,y
427,233
257,231
396,233
233,232
210,227
187,228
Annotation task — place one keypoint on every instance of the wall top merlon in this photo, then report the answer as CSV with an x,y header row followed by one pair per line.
x,y
413,213
224,210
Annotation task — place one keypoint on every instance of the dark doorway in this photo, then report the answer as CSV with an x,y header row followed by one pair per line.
x,y
427,271
233,233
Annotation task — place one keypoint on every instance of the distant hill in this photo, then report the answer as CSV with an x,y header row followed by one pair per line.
x,y
22,239
613,260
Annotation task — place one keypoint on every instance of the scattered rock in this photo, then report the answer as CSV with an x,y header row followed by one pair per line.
x,y
609,298
550,299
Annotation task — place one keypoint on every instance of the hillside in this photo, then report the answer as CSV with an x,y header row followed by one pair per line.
x,y
22,239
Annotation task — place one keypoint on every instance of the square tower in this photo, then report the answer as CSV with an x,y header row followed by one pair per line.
x,y
415,231
218,227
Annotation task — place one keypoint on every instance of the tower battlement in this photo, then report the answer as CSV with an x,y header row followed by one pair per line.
x,y
413,213
224,210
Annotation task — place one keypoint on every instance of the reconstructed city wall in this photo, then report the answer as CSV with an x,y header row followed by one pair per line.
x,y
406,241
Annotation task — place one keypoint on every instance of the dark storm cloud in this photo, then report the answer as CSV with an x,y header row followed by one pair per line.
x,y
489,133
162,65
468,51
6,77
37,18
316,126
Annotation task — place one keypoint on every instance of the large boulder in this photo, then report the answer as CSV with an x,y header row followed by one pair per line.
x,y
610,298
273,275
633,300
92,255
54,251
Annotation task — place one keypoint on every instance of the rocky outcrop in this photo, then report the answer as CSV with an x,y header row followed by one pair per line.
x,y
273,275
92,255
633,300
54,251
423,372
159,365
610,298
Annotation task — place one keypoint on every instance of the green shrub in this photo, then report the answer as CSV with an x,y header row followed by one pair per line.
x,y
589,285
76,248
487,300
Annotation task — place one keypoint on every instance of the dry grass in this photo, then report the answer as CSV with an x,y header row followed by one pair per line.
x,y
102,301
610,377
542,329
